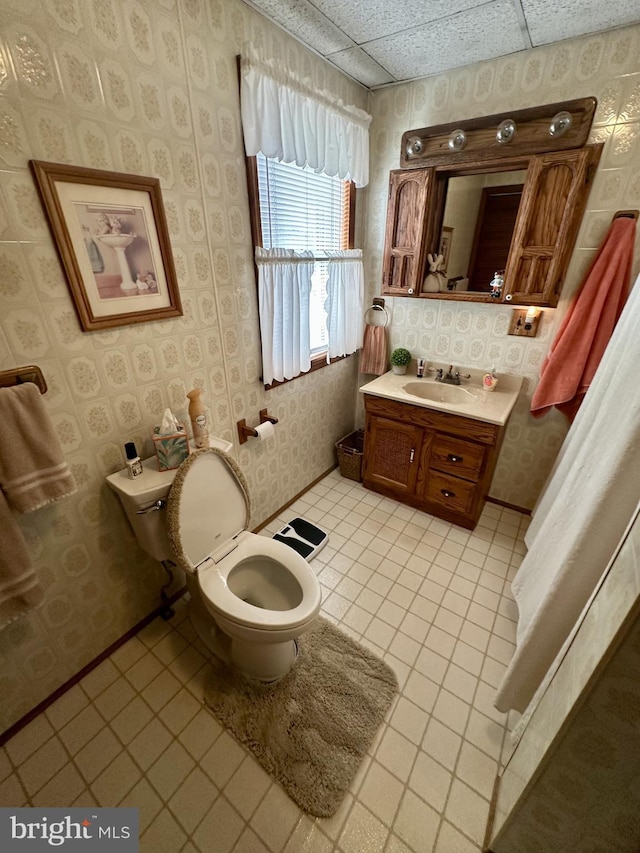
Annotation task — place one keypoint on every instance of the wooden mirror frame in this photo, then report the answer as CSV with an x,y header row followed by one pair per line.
x,y
559,170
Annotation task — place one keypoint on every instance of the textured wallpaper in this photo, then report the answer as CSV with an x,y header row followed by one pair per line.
x,y
149,88
605,66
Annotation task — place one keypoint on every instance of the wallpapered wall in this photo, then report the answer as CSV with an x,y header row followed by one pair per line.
x,y
148,87
605,66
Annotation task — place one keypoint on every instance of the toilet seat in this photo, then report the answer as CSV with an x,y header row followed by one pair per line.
x,y
213,580
208,514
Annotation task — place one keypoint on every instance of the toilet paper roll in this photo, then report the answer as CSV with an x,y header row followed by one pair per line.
x,y
265,431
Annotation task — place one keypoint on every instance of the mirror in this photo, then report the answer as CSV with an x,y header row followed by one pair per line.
x,y
489,206
477,226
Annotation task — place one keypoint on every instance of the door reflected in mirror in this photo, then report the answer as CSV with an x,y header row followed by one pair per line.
x,y
477,227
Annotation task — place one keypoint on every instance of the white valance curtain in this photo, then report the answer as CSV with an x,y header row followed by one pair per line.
x,y
284,287
345,302
285,119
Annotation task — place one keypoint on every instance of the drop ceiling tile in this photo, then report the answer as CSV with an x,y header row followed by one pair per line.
x,y
361,67
482,33
553,20
365,20
304,21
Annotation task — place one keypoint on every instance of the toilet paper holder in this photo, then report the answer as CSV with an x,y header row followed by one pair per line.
x,y
245,432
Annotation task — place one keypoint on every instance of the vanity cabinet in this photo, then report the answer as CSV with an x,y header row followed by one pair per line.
x,y
553,200
434,461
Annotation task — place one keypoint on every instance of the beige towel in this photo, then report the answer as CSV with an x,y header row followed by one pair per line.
x,y
373,358
33,473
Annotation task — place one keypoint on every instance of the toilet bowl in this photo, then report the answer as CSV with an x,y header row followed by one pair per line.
x,y
251,596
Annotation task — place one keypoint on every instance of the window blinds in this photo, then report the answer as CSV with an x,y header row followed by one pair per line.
x,y
301,209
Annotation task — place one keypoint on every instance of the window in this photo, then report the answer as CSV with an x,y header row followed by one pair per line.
x,y
296,208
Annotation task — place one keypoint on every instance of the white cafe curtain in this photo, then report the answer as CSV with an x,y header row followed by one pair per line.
x,y
344,302
285,119
284,287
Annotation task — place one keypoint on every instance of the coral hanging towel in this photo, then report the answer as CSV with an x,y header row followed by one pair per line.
x,y
587,326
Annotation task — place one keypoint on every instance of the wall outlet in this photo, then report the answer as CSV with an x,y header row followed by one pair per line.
x,y
522,325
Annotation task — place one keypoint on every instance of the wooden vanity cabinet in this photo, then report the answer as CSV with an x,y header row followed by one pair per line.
x,y
434,461
553,200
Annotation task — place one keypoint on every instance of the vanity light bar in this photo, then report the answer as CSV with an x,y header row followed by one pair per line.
x,y
551,127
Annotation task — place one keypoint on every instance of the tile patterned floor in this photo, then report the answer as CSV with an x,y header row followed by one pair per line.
x,y
430,598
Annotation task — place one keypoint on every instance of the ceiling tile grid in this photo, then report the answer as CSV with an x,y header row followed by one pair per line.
x,y
460,39
376,42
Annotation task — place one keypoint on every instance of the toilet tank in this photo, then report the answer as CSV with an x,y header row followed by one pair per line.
x,y
139,496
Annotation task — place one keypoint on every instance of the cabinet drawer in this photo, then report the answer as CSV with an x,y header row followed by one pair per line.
x,y
457,457
450,492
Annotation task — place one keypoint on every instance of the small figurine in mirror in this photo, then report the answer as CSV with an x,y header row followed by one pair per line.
x,y
497,284
436,280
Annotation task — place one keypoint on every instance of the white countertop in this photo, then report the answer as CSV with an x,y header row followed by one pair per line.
x,y
491,406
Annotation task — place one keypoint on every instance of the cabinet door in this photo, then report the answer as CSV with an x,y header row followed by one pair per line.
x,y
391,454
404,242
553,200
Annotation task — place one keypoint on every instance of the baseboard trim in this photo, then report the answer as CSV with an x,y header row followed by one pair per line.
x,y
506,505
271,518
42,706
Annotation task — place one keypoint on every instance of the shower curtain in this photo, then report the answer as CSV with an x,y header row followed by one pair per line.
x,y
583,512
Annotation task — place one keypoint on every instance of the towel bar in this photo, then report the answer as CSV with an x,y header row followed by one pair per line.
x,y
627,214
19,375
377,307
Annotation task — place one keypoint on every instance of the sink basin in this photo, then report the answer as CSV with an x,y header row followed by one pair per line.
x,y
439,393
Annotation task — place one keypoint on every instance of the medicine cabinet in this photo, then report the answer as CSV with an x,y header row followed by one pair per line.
x,y
516,209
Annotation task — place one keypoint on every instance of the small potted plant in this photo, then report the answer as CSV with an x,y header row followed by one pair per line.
x,y
400,359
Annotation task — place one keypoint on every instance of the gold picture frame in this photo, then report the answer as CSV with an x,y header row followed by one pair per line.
x,y
111,234
445,246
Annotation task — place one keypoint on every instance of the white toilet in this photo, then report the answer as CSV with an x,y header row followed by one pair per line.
x,y
251,596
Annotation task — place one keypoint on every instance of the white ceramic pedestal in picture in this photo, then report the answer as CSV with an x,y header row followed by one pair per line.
x,y
120,242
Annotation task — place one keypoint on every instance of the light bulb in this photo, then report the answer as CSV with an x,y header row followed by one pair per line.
x,y
506,131
414,146
457,140
560,124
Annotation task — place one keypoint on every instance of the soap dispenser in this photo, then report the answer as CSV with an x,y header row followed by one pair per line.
x,y
420,366
490,380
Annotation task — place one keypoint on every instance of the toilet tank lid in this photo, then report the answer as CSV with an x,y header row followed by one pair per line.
x,y
152,486
208,507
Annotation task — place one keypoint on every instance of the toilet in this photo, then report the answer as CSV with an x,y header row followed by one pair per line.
x,y
251,596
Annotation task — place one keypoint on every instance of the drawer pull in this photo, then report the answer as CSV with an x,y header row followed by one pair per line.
x,y
447,493
453,458
412,454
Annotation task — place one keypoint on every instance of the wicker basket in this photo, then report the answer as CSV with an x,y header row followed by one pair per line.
x,y
350,451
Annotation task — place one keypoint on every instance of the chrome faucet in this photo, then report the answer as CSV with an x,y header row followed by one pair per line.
x,y
451,378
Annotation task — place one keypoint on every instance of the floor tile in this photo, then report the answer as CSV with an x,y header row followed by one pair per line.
x,y
431,599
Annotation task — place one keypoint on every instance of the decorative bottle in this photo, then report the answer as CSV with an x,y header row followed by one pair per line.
x,y
198,417
490,380
134,464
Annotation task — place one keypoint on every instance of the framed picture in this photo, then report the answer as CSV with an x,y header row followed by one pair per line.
x,y
111,234
445,246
